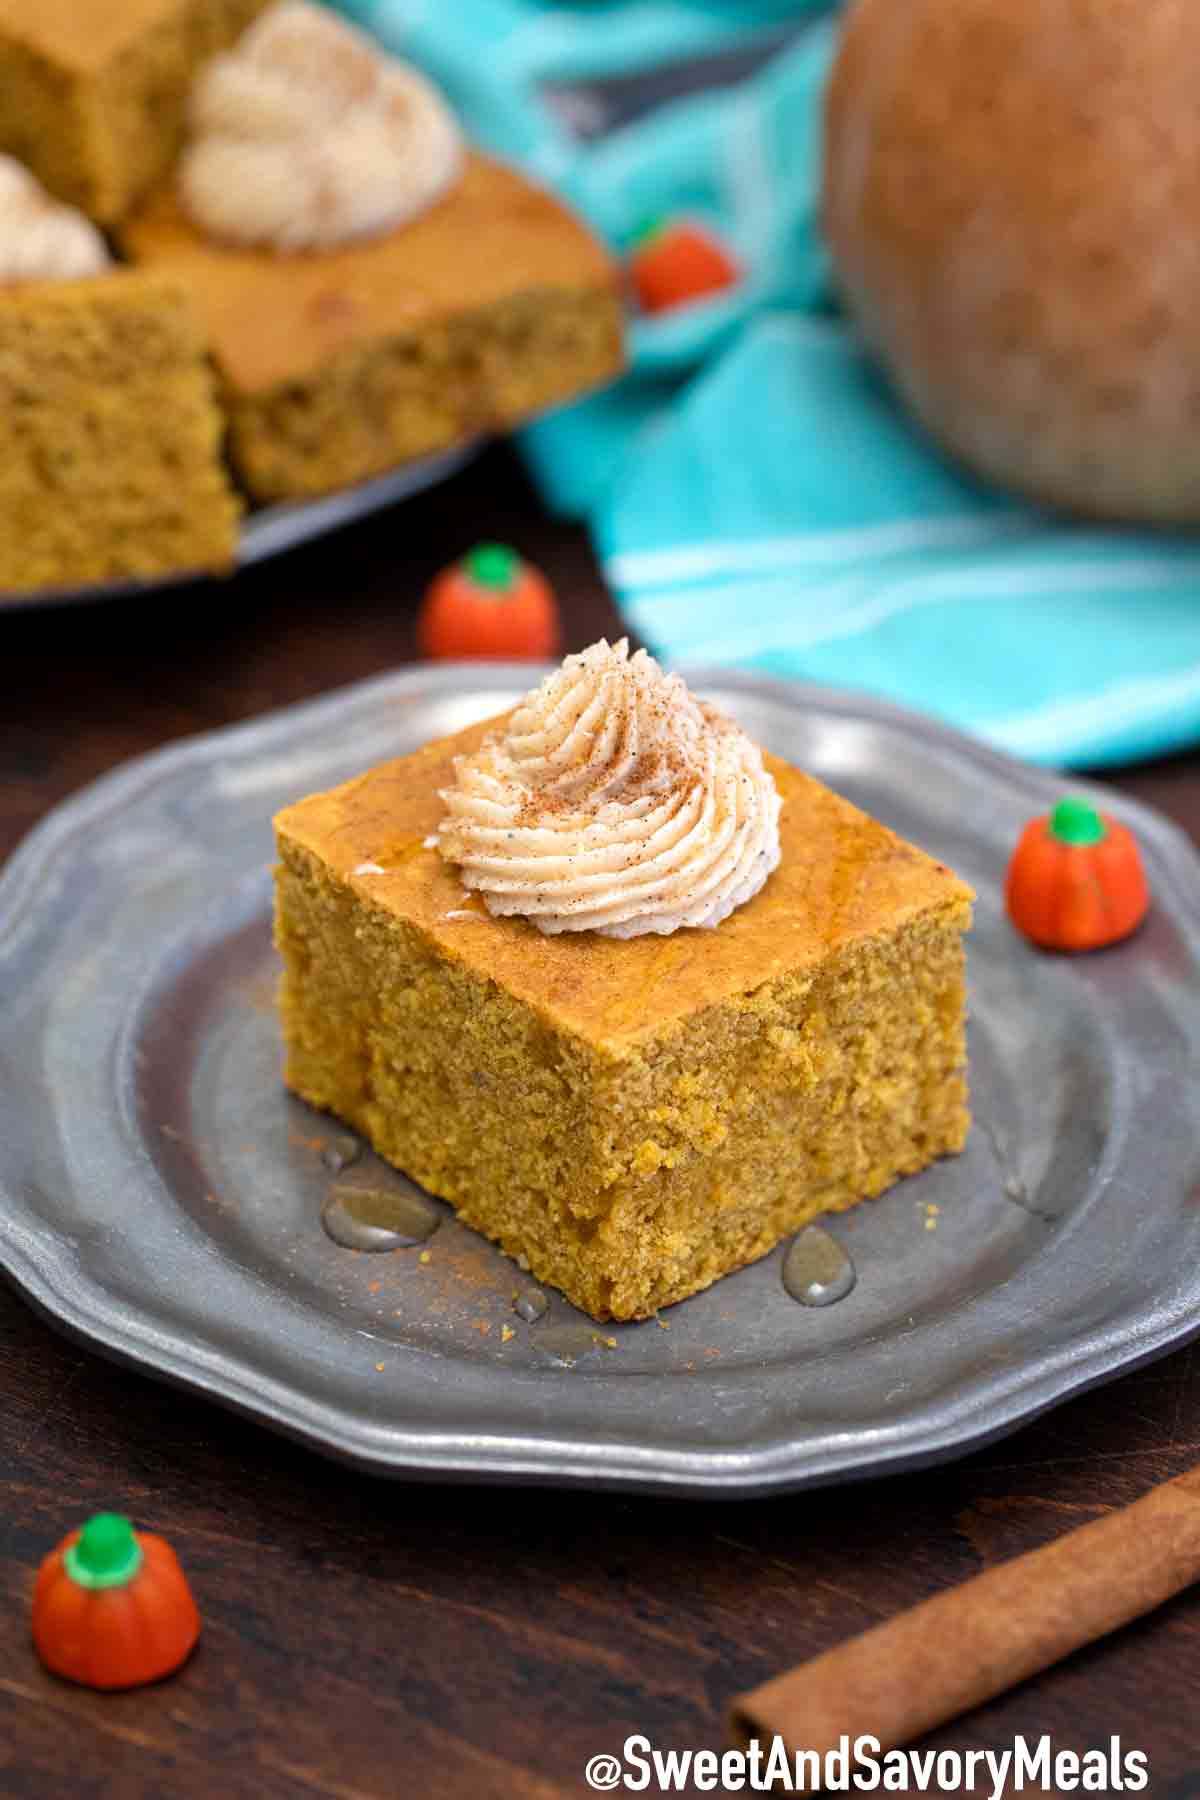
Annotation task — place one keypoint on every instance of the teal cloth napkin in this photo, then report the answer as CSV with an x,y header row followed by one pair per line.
x,y
756,495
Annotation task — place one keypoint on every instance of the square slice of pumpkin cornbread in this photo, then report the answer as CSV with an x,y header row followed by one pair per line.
x,y
634,1117
110,436
337,365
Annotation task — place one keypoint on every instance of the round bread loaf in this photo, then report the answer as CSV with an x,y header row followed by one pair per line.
x,y
1012,202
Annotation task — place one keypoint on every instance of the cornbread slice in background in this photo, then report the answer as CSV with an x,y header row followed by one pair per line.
x,y
93,93
636,1118
110,436
339,365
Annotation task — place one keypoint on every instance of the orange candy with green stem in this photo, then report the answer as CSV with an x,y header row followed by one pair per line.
x,y
492,604
675,261
112,1607
1076,880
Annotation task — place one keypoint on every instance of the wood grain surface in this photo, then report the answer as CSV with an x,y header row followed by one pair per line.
x,y
368,1639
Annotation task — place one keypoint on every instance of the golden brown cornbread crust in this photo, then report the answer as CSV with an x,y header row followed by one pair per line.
x,y
93,92
495,303
110,436
634,1118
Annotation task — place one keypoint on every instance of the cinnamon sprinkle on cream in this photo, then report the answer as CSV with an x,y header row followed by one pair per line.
x,y
615,802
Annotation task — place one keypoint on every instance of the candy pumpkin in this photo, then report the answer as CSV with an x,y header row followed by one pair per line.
x,y
675,261
111,1606
491,604
1076,880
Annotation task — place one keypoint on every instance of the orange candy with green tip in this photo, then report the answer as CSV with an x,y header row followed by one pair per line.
x,y
490,604
1076,880
676,261
112,1607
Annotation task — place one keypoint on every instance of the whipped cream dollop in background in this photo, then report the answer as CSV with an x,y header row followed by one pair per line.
x,y
613,801
306,136
40,239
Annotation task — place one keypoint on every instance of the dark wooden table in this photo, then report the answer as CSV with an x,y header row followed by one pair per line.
x,y
366,1639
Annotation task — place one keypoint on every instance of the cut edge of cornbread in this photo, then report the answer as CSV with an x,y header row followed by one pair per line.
x,y
110,436
633,1172
101,126
336,366
383,403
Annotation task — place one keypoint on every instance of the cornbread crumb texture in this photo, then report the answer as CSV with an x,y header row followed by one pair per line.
x,y
110,435
93,93
495,303
634,1118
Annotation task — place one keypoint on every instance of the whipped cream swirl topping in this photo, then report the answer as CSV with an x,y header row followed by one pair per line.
x,y
306,136
613,801
41,240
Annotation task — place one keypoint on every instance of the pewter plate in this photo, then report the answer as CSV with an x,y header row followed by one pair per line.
x,y
159,1193
268,531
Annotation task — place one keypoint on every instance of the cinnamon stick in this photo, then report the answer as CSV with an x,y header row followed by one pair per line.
x,y
963,1647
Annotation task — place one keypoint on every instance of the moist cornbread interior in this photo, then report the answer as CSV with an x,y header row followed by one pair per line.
x,y
492,305
634,1118
93,93
110,436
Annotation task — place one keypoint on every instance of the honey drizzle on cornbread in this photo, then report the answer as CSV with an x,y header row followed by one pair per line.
x,y
817,1270
375,1218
